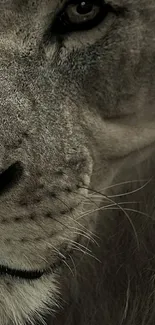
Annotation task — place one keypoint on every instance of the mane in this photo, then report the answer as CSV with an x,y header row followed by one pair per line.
x,y
120,289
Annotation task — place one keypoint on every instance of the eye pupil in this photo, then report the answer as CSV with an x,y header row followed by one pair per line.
x,y
84,7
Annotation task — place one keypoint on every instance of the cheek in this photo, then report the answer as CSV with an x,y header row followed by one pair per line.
x,y
106,89
111,81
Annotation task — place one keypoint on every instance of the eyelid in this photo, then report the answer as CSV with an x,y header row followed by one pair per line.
x,y
62,25
62,17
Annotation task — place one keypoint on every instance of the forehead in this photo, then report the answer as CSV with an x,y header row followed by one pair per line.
x,y
16,14
32,5
22,12
18,4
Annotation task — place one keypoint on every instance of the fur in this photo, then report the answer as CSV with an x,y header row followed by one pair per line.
x,y
78,128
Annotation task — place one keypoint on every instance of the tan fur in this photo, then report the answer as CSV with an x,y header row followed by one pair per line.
x,y
77,118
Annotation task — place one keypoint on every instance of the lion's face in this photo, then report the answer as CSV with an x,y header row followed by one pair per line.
x,y
77,89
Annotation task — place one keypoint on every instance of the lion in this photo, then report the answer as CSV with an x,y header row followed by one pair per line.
x,y
77,163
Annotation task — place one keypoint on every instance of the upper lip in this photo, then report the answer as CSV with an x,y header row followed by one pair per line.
x,y
36,274
30,274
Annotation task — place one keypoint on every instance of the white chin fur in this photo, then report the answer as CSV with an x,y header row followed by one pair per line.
x,y
23,300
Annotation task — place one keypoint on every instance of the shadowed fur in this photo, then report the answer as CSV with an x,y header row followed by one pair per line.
x,y
77,185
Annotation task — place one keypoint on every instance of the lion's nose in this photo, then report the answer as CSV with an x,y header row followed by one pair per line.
x,y
10,177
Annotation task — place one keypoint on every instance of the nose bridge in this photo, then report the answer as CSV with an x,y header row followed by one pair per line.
x,y
8,76
16,115
13,104
51,138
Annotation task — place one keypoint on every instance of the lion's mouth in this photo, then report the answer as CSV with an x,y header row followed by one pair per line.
x,y
28,274
35,274
24,274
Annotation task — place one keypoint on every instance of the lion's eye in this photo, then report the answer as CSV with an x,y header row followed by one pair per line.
x,y
82,12
81,15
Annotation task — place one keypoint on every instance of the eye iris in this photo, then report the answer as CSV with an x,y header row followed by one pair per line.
x,y
84,8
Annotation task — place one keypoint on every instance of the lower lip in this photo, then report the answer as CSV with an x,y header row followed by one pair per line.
x,y
29,275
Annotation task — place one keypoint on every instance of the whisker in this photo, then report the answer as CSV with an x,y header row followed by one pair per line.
x,y
70,227
75,271
137,211
131,192
86,253
75,221
125,182
56,250
102,208
82,226
61,223
78,244
87,197
42,258
89,237
68,267
104,200
87,231
126,214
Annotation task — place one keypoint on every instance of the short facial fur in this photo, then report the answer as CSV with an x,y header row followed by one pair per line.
x,y
77,113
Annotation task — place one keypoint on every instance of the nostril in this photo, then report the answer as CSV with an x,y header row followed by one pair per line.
x,y
10,176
